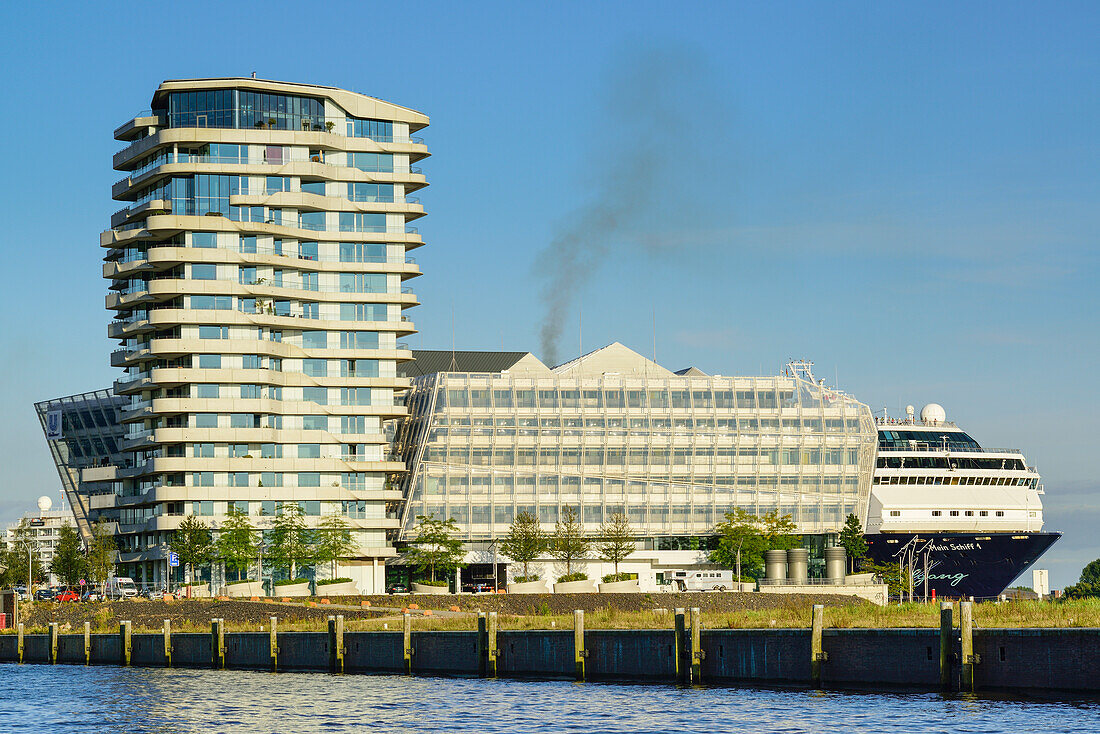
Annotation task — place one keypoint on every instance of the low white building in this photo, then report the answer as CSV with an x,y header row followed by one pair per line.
x,y
44,525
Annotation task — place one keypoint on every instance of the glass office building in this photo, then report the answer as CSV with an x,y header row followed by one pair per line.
x,y
258,278
492,434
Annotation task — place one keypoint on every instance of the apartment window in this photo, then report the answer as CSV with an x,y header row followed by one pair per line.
x,y
271,451
315,367
206,391
213,332
317,395
309,479
359,368
212,303
206,507
277,184
356,509
202,479
248,245
244,420
271,479
311,310
353,424
362,222
251,362
250,392
380,130
203,450
314,221
206,420
355,396
309,281
313,187
358,340
204,239
238,479
204,271
246,276
314,340
309,451
362,252
371,162
370,192
238,450
314,422
363,311
239,506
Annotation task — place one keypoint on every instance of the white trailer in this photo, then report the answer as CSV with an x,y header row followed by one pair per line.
x,y
710,580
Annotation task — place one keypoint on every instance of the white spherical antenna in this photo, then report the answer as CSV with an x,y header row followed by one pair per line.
x,y
933,413
45,503
909,410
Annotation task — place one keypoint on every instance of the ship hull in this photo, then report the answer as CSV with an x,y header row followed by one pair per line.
x,y
981,565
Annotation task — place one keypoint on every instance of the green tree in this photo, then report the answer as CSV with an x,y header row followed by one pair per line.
x,y
435,545
778,531
194,544
334,541
69,563
291,542
616,541
853,542
1089,583
101,555
895,578
237,544
570,544
741,544
524,542
16,558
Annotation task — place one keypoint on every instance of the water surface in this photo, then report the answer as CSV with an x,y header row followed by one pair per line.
x,y
67,698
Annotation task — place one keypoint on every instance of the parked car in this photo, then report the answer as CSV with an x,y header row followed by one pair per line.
x,y
90,594
478,588
66,595
44,595
397,589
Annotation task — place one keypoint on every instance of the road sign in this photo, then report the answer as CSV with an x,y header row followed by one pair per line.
x,y
173,559
82,582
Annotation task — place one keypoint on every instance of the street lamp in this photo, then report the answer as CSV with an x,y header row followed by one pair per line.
x,y
28,543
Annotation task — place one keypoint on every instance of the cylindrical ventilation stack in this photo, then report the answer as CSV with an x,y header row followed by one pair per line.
x,y
798,563
775,566
836,560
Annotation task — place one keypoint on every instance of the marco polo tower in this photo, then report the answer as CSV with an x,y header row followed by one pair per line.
x,y
258,280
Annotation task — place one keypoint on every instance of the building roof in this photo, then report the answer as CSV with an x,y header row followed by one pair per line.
x,y
430,361
691,372
613,358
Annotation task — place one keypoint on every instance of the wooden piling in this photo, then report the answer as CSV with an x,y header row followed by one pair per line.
x,y
167,630
492,651
817,649
87,643
482,644
696,646
273,644
336,643
579,651
678,645
217,643
19,632
947,630
124,642
408,648
969,659
53,643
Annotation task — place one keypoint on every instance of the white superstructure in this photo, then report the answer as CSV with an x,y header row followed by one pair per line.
x,y
930,476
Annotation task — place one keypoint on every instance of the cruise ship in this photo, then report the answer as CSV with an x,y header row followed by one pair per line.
x,y
964,519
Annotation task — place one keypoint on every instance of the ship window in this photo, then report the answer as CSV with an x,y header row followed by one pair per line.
x,y
895,513
954,513
1000,513
970,513
1032,514
936,513
984,513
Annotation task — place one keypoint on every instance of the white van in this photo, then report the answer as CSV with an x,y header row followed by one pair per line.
x,y
121,587
716,580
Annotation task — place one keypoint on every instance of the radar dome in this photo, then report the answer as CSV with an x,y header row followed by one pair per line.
x,y
44,503
933,413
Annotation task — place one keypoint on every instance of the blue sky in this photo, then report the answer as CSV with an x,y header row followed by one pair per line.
x,y
907,195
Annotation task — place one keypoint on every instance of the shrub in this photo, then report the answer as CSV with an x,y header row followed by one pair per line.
x,y
290,582
429,582
527,579
575,576
621,576
326,582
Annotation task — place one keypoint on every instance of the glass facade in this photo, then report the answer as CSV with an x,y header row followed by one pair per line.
x,y
672,453
232,108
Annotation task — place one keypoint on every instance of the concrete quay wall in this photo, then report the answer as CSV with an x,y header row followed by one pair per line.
x,y
1003,659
